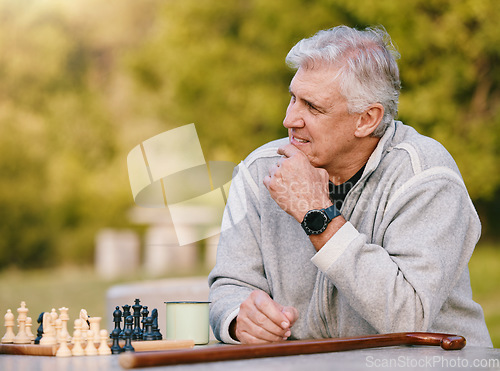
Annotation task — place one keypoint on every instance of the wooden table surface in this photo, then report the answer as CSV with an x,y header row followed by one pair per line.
x,y
391,358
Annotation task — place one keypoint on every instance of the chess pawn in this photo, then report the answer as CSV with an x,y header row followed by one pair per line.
x,y
103,346
49,332
90,349
64,318
22,337
29,323
95,327
148,326
77,326
9,325
115,346
63,350
58,327
77,347
128,334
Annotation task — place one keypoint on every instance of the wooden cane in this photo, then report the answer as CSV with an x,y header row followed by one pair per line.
x,y
287,348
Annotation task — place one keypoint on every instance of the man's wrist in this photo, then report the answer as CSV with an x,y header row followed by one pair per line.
x,y
319,240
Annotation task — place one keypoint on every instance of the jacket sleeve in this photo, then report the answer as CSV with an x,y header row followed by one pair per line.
x,y
425,239
239,269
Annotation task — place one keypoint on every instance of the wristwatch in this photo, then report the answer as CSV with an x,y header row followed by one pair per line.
x,y
316,220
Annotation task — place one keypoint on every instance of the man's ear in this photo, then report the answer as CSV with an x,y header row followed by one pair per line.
x,y
369,120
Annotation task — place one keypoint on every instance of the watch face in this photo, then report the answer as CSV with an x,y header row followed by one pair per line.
x,y
315,221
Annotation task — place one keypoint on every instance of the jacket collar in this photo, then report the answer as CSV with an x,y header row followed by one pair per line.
x,y
382,146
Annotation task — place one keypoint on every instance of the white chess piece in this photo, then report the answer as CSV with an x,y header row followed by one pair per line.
x,y
95,327
58,327
85,326
104,348
9,324
64,318
29,323
63,350
22,337
54,315
77,347
90,349
77,326
49,332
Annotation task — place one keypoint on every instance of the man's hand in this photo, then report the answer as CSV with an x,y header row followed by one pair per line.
x,y
262,320
296,185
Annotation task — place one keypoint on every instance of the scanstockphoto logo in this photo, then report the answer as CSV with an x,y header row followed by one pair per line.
x,y
170,171
439,362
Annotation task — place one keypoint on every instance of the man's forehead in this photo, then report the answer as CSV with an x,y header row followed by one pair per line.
x,y
321,80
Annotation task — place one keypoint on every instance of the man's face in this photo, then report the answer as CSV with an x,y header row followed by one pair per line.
x,y
318,121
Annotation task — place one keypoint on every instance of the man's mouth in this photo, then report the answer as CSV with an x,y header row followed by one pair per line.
x,y
299,140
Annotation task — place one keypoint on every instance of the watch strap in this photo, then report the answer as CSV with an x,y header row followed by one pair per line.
x,y
332,212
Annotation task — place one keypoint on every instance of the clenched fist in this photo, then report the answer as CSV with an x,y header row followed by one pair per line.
x,y
296,185
262,320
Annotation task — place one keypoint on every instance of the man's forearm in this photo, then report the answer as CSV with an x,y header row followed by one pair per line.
x,y
319,240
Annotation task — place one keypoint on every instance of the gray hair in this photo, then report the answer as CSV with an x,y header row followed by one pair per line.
x,y
368,72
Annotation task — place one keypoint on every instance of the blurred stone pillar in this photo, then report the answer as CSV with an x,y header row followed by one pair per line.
x,y
163,255
116,253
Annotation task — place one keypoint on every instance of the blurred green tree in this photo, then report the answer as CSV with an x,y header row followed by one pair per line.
x,y
59,178
83,82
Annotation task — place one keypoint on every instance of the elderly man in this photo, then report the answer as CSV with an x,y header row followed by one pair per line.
x,y
355,224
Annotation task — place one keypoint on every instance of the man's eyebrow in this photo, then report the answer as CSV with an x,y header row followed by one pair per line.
x,y
308,102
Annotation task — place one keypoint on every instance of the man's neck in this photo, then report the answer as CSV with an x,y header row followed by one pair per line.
x,y
355,161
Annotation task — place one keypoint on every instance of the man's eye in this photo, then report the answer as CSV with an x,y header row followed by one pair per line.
x,y
311,107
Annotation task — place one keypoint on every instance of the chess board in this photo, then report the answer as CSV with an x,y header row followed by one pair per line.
x,y
28,349
88,339
50,350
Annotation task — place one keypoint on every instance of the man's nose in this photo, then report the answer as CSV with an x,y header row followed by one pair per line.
x,y
293,118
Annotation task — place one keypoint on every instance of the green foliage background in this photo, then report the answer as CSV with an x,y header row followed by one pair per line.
x,y
84,81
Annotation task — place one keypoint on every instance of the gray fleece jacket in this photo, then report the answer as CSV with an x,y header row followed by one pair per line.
x,y
399,263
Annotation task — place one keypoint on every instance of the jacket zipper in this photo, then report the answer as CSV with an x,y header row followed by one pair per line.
x,y
322,292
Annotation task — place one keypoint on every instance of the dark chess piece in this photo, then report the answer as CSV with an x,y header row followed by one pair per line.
x,y
115,347
126,313
156,330
117,318
148,328
39,331
137,332
145,314
128,335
